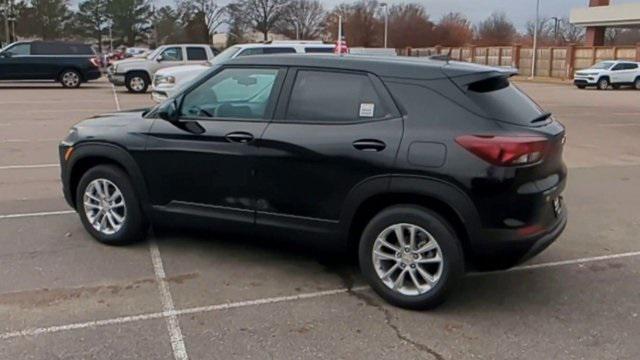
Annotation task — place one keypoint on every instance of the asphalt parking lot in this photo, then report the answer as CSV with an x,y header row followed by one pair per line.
x,y
64,296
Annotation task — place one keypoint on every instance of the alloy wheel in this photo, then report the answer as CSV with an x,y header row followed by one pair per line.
x,y
407,259
137,83
104,206
70,79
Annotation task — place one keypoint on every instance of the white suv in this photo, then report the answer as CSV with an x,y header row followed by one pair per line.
x,y
136,73
168,81
609,73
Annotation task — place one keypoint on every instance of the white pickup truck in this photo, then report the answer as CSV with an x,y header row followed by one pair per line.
x,y
609,73
169,81
136,73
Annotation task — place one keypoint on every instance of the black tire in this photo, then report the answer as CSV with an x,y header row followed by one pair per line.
x,y
70,79
603,84
452,264
137,82
134,226
636,84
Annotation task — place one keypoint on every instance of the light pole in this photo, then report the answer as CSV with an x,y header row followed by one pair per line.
x,y
555,29
535,41
386,22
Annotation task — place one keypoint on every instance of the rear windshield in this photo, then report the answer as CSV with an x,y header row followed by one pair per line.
x,y
503,101
55,48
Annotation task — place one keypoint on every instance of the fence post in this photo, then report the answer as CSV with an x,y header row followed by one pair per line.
x,y
638,52
571,60
515,56
551,62
500,56
408,51
486,56
438,49
615,53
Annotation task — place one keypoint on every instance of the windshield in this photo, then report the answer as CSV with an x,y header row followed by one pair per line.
x,y
602,65
154,53
225,55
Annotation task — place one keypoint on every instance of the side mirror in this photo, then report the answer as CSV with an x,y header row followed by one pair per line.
x,y
6,54
159,58
169,111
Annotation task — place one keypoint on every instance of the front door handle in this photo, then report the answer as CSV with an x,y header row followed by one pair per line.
x,y
369,145
239,137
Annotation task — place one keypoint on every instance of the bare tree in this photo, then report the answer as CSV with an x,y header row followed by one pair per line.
x,y
496,30
569,33
409,25
454,29
263,15
302,19
200,18
362,25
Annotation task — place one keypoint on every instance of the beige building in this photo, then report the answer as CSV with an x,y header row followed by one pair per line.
x,y
601,14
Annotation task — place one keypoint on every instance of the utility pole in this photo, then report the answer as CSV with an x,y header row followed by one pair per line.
x,y
5,12
386,22
555,30
535,41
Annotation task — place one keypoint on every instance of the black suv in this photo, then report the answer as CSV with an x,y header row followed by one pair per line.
x,y
70,64
426,167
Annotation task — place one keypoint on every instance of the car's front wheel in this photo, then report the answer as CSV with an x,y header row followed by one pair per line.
x,y
108,206
603,84
137,82
410,257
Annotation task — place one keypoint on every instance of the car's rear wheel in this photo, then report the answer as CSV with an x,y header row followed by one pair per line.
x,y
410,257
603,84
70,79
108,206
636,84
137,82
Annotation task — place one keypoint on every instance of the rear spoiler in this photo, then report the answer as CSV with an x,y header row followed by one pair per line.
x,y
463,77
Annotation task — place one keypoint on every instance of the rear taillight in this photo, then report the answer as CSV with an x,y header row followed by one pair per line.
x,y
95,62
505,150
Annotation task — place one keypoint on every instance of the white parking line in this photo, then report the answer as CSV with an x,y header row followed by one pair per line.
x,y
36,214
34,166
115,97
164,314
177,341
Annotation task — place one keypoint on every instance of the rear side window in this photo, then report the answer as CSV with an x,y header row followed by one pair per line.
x,y
319,50
20,49
503,101
323,96
60,48
196,54
279,50
251,51
631,66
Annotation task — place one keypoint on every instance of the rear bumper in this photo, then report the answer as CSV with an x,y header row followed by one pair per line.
x,y
92,74
508,248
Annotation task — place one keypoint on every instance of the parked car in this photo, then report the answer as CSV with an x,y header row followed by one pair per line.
x,y
609,73
70,64
136,73
135,52
169,81
426,167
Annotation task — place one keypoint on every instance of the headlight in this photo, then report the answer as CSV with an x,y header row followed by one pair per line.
x,y
166,80
114,69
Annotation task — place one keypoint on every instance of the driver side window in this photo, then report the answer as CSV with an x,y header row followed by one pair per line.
x,y
232,93
172,54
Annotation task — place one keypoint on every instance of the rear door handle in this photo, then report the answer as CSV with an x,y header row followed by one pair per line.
x,y
239,137
369,145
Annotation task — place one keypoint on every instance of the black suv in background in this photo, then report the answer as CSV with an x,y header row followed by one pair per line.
x,y
69,64
427,168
